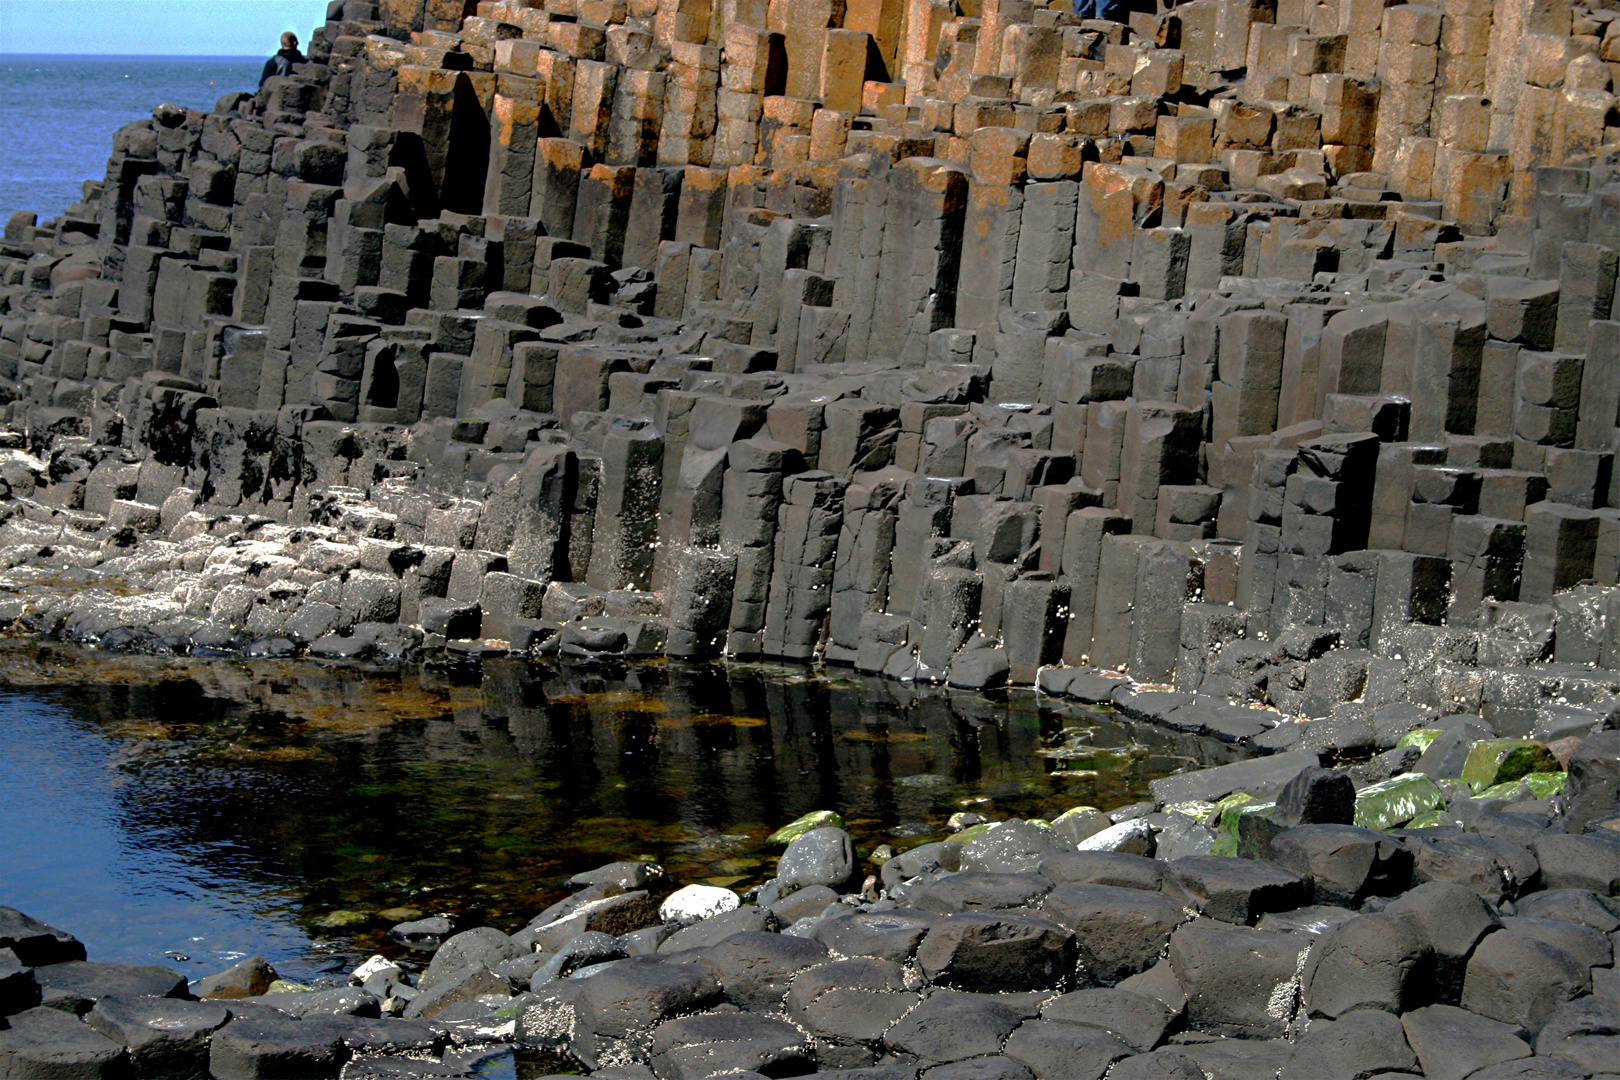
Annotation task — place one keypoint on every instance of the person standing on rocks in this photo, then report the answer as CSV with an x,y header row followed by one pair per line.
x,y
1112,10
282,63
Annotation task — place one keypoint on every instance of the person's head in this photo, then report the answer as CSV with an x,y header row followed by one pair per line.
x,y
289,40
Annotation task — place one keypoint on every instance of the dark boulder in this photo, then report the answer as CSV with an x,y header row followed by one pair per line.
x,y
1369,962
1345,863
1519,980
1452,1043
1237,978
1235,890
950,1027
993,953
1117,932
697,1047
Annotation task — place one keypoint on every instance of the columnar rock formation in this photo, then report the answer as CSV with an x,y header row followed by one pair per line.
x,y
948,340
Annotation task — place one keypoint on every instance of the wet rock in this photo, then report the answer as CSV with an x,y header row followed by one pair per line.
x,y
422,932
1495,761
1183,838
580,951
1011,847
45,1042
1396,801
250,1047
247,978
815,819
453,988
611,915
979,668
1080,823
803,903
343,1001
34,943
823,856
1127,838
362,1034
1315,919
923,859
164,1037
623,875
1261,777
482,946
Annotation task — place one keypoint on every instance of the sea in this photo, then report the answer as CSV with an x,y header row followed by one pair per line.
x,y
58,114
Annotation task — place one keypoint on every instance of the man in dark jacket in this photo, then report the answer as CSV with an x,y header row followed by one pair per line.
x,y
282,63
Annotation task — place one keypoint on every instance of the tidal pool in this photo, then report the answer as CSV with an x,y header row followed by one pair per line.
x,y
191,811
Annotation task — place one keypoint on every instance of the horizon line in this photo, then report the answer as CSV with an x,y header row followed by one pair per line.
x,y
138,56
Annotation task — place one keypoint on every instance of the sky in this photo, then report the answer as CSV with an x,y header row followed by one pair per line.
x,y
155,27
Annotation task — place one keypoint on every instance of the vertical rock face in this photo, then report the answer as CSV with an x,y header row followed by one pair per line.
x,y
952,343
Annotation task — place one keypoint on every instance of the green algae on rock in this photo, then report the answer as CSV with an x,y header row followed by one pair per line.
x,y
815,819
1501,761
1396,801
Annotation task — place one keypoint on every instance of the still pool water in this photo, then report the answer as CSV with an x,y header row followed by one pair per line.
x,y
189,812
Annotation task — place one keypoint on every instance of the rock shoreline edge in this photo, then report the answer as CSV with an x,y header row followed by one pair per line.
x,y
1098,945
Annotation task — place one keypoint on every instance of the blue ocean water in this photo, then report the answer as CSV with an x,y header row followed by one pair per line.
x,y
58,113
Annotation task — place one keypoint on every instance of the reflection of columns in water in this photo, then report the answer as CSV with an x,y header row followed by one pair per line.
x,y
713,800
969,768
881,769
635,742
570,763
871,720
775,755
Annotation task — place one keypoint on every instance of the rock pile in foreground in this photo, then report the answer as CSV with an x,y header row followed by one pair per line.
x,y
1479,944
